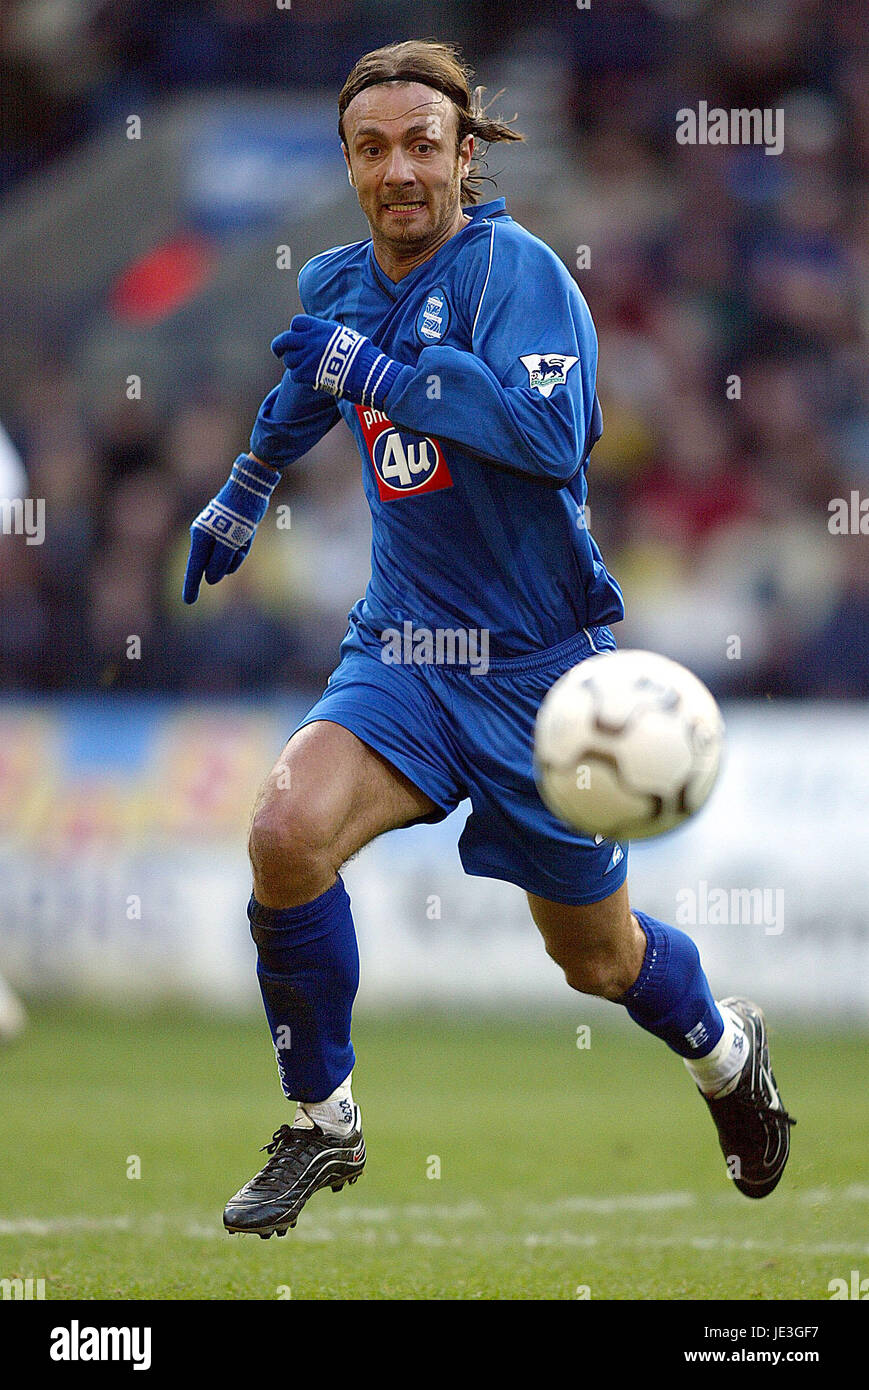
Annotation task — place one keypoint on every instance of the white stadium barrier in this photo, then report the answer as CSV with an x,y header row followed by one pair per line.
x,y
123,872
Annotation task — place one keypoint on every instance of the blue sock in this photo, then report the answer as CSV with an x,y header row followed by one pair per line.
x,y
671,997
308,972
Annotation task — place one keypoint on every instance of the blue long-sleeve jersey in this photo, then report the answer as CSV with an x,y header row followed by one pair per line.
x,y
475,472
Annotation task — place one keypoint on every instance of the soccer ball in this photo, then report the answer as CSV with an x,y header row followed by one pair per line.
x,y
627,745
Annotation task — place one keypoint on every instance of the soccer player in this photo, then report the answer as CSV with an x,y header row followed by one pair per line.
x,y
462,356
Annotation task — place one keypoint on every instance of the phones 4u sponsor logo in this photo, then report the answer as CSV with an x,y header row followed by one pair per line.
x,y
404,463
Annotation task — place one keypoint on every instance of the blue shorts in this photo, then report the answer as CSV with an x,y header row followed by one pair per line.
x,y
458,735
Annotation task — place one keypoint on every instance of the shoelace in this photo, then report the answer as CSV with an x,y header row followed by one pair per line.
x,y
273,1172
279,1137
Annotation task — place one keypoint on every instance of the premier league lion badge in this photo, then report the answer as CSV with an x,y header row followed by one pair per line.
x,y
547,370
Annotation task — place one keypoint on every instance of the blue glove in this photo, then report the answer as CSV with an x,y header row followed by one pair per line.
x,y
221,535
330,357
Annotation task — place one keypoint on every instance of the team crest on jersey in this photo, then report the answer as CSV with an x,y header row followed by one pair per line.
x,y
405,464
547,370
433,319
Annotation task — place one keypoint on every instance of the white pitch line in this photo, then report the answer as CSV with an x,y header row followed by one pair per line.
x,y
156,1223
370,1226
608,1206
465,1211
854,1192
315,1233
701,1243
62,1225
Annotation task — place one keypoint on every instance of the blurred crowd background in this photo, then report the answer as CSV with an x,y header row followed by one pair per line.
x,y
729,290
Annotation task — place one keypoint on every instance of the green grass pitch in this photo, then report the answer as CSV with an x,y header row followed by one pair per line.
x,y
563,1172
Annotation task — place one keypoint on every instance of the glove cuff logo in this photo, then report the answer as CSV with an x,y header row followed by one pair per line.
x,y
225,525
337,360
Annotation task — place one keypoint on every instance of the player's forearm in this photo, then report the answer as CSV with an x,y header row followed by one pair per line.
x,y
456,397
289,422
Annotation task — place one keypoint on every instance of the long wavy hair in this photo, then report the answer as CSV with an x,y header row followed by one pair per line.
x,y
441,66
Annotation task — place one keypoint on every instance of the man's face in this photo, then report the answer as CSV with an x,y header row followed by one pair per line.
x,y
401,153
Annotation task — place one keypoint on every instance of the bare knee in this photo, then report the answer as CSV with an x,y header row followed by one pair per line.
x,y
291,852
